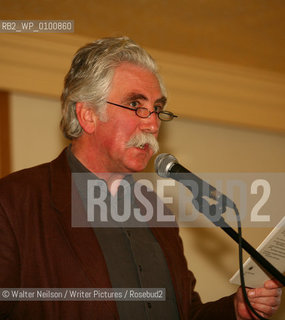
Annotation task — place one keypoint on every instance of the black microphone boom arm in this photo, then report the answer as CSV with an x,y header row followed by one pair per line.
x,y
167,166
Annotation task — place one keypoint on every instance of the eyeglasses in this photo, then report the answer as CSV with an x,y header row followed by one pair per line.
x,y
142,112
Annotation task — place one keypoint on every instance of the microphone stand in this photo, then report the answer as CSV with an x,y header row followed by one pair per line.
x,y
168,167
218,208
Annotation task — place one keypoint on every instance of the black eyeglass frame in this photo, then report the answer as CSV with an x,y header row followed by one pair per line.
x,y
169,113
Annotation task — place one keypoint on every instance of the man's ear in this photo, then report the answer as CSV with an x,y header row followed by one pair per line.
x,y
86,117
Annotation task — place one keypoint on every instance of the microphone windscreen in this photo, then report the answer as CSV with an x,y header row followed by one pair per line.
x,y
163,163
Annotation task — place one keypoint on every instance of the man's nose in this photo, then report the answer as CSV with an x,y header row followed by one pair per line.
x,y
150,124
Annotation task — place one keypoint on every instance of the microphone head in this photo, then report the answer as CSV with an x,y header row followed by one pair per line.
x,y
163,163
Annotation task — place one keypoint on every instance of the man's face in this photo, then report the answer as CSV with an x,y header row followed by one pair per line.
x,y
133,87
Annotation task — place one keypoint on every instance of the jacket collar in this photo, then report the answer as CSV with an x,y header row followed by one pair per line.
x,y
60,182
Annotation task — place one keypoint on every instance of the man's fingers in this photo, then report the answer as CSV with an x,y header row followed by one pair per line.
x,y
264,292
264,309
265,301
270,301
271,284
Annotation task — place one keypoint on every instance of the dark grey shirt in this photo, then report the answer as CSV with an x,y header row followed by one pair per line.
x,y
134,259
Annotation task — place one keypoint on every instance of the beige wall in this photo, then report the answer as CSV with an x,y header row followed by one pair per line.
x,y
35,132
208,147
202,147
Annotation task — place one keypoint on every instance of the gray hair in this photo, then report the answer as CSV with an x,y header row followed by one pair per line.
x,y
90,75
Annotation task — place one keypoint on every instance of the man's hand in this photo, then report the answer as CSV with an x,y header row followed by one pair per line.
x,y
265,301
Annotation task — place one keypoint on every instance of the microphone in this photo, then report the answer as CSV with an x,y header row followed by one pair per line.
x,y
167,166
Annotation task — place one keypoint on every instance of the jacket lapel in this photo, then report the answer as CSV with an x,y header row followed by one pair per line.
x,y
83,241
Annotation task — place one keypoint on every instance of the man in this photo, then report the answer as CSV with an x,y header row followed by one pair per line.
x,y
113,102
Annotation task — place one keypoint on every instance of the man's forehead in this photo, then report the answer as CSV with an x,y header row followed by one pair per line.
x,y
140,96
136,82
132,72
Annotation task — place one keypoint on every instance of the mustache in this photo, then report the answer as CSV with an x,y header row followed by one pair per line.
x,y
141,139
